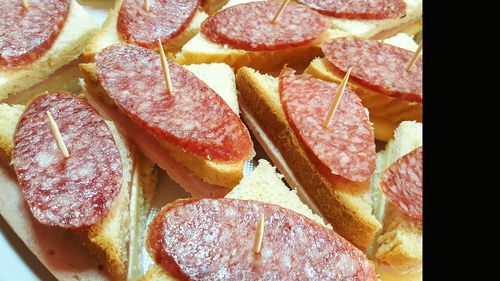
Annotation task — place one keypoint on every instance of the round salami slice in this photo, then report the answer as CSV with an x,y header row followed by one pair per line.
x,y
346,147
166,19
248,26
74,192
378,66
26,34
193,117
358,9
402,183
212,239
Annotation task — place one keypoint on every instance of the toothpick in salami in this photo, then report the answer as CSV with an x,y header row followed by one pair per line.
x,y
166,70
146,5
26,4
57,135
259,234
280,11
297,248
336,100
415,56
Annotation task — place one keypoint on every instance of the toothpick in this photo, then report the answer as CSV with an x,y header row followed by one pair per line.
x,y
336,100
57,135
146,5
166,71
259,234
280,11
415,57
26,4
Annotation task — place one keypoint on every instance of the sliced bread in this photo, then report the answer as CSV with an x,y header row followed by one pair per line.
x,y
349,213
77,31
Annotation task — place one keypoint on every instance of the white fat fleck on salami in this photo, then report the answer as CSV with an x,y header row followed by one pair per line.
x,y
193,117
26,34
248,26
347,146
379,66
166,19
74,192
293,247
358,9
402,183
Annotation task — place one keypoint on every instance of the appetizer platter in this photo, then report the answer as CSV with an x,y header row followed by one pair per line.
x,y
214,139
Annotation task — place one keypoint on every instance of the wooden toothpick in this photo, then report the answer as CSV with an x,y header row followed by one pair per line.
x,y
26,4
336,100
57,135
166,70
415,57
259,234
280,11
146,5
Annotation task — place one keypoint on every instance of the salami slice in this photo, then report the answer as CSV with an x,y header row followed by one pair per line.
x,y
193,117
212,239
402,183
378,66
74,192
248,26
166,19
358,9
346,147
26,34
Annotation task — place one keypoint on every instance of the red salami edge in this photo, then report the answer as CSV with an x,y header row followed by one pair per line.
x,y
74,192
402,183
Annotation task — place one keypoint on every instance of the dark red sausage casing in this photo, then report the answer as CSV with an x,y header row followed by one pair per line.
x,y
166,19
193,117
212,239
248,26
402,183
358,9
74,192
27,34
346,147
376,66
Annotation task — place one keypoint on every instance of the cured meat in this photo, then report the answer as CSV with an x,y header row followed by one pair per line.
x,y
346,147
193,117
212,239
378,66
358,9
74,192
26,34
166,19
248,26
402,183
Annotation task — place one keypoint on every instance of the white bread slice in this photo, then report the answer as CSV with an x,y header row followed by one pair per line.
x,y
350,213
410,24
223,175
399,246
78,29
220,77
262,184
212,6
201,50
65,78
108,239
109,34
385,112
9,115
266,185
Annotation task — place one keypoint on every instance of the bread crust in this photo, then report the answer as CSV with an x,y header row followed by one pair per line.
x,y
349,214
